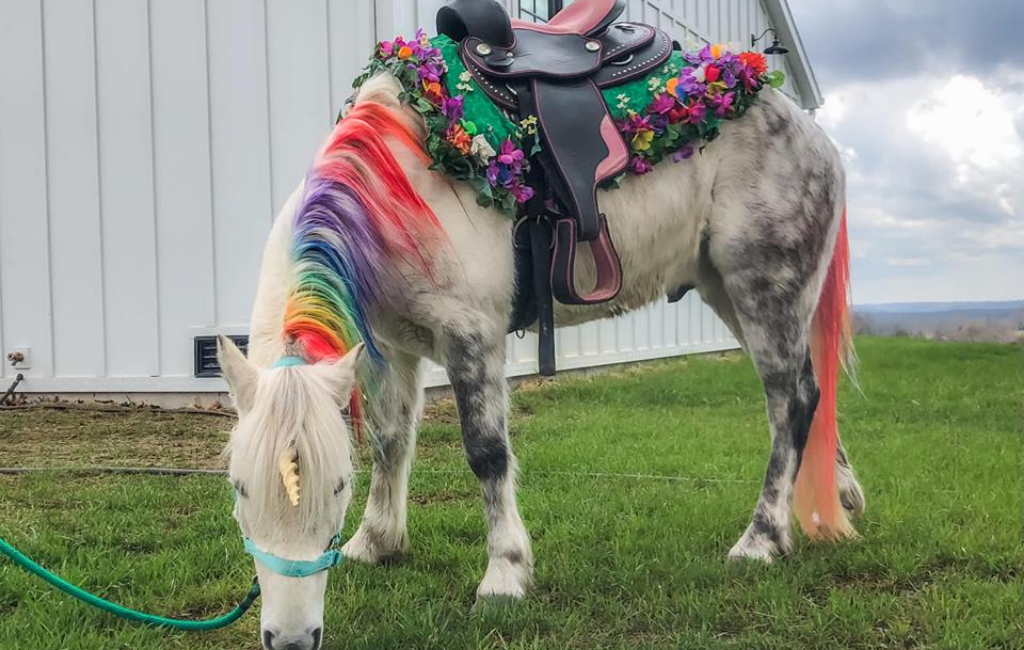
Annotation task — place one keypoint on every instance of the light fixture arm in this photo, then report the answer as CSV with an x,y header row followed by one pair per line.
x,y
753,41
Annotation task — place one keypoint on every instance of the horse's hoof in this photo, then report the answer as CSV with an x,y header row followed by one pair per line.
x,y
756,546
504,580
744,554
362,548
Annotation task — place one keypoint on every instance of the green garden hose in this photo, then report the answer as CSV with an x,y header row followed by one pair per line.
x,y
23,561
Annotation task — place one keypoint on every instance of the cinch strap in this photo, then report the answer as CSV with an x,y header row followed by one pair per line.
x,y
296,568
286,362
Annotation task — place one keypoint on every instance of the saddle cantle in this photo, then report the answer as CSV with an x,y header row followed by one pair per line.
x,y
554,73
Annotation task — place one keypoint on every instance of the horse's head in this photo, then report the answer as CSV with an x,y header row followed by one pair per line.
x,y
291,467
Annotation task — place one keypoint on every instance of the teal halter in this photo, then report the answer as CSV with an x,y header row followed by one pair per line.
x,y
287,362
297,568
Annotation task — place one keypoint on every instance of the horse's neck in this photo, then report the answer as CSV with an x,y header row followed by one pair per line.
x,y
266,335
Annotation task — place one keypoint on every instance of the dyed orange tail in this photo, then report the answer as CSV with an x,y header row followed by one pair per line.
x,y
816,498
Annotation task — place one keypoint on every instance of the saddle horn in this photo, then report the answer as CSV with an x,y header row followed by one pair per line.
x,y
484,19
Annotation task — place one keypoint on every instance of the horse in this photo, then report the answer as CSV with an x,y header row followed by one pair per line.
x,y
376,248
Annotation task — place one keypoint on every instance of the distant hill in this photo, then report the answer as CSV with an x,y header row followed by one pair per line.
x,y
926,307
943,320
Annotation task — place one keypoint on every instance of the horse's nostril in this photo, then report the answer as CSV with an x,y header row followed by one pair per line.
x,y
317,637
268,640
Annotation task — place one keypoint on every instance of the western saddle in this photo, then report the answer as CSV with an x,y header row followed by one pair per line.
x,y
555,72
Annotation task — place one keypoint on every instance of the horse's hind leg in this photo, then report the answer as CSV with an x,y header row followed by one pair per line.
x,y
712,292
393,415
476,365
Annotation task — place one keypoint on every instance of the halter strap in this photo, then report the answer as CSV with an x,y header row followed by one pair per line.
x,y
286,362
296,568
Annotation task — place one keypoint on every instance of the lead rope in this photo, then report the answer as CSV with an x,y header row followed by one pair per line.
x,y
26,563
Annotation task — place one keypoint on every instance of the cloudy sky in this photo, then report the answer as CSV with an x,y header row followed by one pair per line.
x,y
925,98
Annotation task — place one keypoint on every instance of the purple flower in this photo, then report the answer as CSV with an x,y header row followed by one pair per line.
x,y
703,56
722,102
662,104
658,123
452,108
639,165
689,85
684,153
634,124
728,78
428,71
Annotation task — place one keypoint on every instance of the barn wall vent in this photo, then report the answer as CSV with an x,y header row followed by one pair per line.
x,y
206,354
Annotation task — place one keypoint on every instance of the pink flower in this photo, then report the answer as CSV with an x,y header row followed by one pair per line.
x,y
510,154
523,193
387,48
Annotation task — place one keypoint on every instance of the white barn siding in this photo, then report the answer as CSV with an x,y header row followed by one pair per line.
x,y
146,146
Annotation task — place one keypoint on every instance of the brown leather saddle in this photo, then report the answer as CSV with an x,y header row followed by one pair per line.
x,y
555,72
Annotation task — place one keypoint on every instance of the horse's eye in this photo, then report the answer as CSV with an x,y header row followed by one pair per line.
x,y
339,487
240,489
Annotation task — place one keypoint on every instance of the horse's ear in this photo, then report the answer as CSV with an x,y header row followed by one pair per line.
x,y
341,374
239,373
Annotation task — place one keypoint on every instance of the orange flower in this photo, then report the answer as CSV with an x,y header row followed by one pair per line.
x,y
671,86
404,52
432,91
717,50
460,139
756,62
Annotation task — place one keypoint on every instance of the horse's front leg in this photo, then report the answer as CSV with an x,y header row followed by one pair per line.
x,y
394,414
476,365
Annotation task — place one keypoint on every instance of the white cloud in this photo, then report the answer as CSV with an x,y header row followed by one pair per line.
x,y
935,198
973,123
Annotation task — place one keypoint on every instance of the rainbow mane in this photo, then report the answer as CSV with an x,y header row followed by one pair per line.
x,y
359,214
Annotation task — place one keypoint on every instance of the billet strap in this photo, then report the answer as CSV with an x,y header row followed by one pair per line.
x,y
540,241
563,265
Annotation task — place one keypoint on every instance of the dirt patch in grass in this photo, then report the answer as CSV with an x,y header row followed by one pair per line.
x,y
50,438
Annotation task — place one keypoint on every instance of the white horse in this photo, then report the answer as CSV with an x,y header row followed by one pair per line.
x,y
752,223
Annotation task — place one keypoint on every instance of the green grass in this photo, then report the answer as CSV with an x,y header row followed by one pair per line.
x,y
937,439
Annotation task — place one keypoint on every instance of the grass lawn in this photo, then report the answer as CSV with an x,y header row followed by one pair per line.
x,y
622,562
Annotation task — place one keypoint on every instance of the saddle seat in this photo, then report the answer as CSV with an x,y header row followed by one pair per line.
x,y
582,18
554,73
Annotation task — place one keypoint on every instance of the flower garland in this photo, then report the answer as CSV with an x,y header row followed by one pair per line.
x,y
491,157
702,90
683,105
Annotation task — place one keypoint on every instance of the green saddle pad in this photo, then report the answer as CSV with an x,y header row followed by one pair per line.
x,y
679,107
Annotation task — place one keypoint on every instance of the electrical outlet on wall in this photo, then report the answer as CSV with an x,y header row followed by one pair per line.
x,y
21,357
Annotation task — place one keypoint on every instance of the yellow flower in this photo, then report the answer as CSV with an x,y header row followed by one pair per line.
x,y
642,139
717,50
530,124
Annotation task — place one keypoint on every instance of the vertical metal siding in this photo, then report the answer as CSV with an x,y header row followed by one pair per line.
x,y
145,146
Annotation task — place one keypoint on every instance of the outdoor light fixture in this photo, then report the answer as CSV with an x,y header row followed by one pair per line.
x,y
775,47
